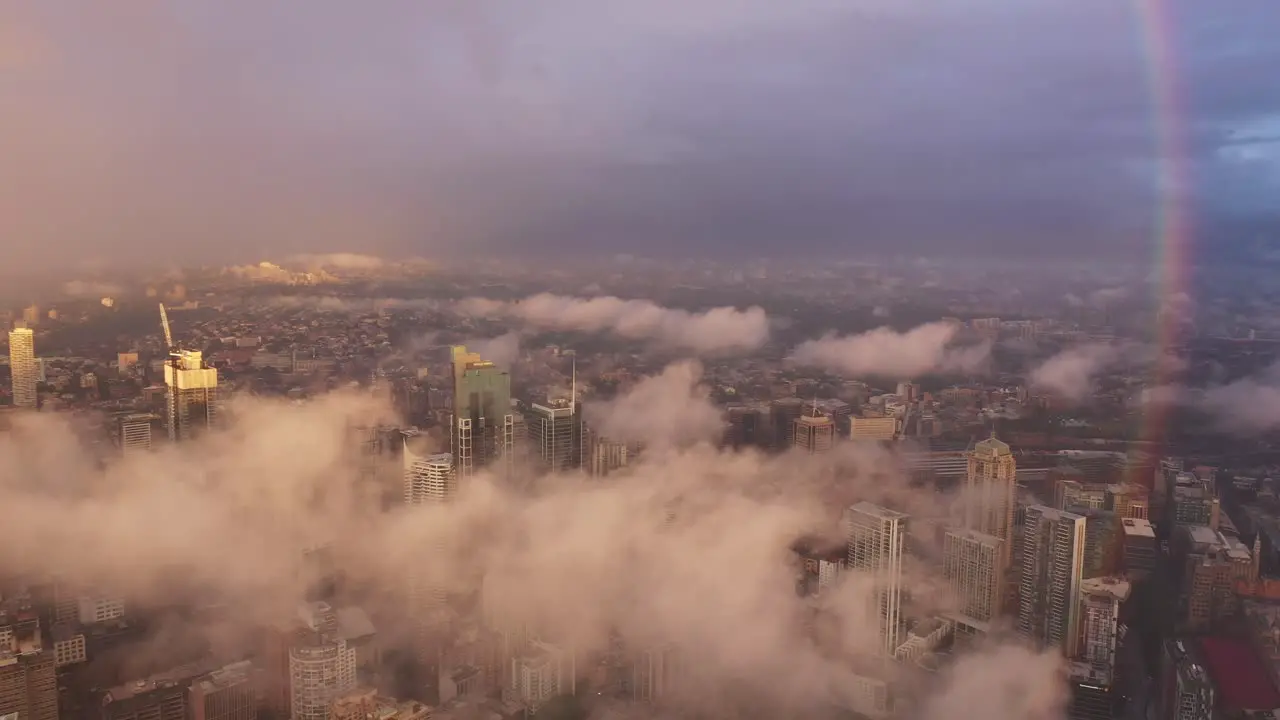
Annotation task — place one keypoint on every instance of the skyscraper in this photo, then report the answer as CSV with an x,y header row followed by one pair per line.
x,y
876,549
135,432
322,667
428,479
1100,600
989,492
971,565
22,365
814,432
555,436
1050,578
28,680
191,394
483,428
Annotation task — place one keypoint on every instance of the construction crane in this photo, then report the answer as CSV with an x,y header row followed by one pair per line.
x,y
164,323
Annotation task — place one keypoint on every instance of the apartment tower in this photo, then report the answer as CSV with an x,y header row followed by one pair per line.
x,y
1053,549
22,365
876,549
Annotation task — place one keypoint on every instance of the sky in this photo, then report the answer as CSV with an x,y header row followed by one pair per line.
x,y
221,131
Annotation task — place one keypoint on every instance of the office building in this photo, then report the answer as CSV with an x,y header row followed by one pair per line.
x,y
225,694
191,395
878,429
429,479
601,456
482,430
322,665
136,432
1100,601
988,498
971,565
163,696
876,549
748,426
783,414
28,679
554,433
1050,576
1195,501
1139,547
814,432
1102,542
23,367
541,674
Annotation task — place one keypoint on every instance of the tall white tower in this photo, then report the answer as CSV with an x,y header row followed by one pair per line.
x,y
22,363
877,546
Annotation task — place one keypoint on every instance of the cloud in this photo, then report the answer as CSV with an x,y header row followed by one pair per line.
x,y
503,349
920,351
337,261
1071,373
1251,404
672,409
226,518
91,288
718,330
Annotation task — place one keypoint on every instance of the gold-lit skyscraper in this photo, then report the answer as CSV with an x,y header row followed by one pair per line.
x,y
191,394
22,363
989,492
482,432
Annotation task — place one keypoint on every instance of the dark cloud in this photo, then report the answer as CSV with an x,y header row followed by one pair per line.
x,y
206,129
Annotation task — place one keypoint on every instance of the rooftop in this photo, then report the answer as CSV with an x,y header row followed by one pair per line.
x,y
1138,527
1116,587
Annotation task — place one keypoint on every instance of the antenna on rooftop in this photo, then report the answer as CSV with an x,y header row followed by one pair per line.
x,y
573,386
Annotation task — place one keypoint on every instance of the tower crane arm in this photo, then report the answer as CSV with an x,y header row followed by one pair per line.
x,y
164,323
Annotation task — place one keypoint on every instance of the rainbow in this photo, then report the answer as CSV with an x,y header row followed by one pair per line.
x,y
1172,222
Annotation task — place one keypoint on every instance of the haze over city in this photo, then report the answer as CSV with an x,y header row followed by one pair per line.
x,y
572,361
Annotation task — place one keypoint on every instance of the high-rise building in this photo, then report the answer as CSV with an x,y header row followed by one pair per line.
x,y
783,414
136,432
1139,547
814,431
28,679
876,549
602,456
225,694
1103,538
322,667
971,564
191,394
541,674
429,479
1100,601
554,433
22,365
482,432
989,492
1049,582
